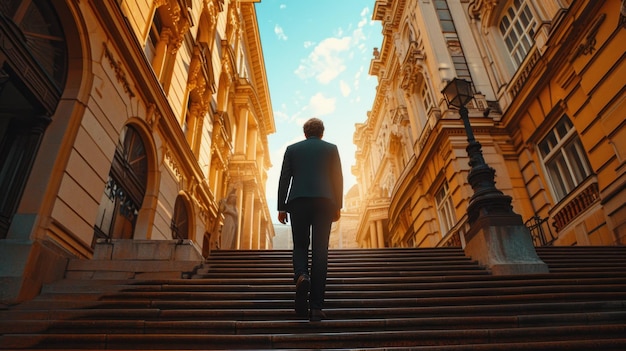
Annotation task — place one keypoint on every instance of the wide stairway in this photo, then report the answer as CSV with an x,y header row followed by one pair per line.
x,y
390,299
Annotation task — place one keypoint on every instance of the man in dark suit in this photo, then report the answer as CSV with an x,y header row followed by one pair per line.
x,y
310,189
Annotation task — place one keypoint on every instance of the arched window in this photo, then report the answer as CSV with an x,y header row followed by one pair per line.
x,y
43,35
517,27
33,71
125,188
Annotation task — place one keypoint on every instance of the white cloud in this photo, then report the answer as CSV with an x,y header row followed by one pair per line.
x,y
365,12
280,115
362,22
280,33
345,88
325,63
329,57
321,105
357,78
282,6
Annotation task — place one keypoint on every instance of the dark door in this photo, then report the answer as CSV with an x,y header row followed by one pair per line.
x,y
125,188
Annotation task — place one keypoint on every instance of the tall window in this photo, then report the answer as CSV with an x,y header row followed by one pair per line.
x,y
153,37
454,44
159,47
445,209
445,17
517,28
427,100
564,158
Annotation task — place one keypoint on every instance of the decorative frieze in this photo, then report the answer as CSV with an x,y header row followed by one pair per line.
x,y
119,71
172,164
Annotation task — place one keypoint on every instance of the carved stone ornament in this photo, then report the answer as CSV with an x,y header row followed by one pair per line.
x,y
588,45
119,71
482,10
412,67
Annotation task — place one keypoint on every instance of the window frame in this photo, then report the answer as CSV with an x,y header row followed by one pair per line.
x,y
515,13
564,159
445,209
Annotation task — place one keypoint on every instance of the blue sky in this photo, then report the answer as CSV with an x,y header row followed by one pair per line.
x,y
317,56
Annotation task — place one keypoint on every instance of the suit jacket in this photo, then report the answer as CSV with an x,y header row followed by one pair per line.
x,y
311,168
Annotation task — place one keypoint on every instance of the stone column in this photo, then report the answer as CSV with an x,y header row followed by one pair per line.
x,y
256,227
380,232
247,224
242,132
373,237
158,61
251,140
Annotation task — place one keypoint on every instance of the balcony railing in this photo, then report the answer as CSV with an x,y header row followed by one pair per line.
x,y
580,202
455,236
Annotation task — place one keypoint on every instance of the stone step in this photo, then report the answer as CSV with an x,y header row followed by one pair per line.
x,y
224,264
347,294
611,334
281,285
128,311
149,308
227,326
129,269
396,299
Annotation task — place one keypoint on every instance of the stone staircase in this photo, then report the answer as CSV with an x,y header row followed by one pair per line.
x,y
388,299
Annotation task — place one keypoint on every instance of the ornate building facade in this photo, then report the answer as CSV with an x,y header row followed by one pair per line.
x,y
549,111
343,232
125,119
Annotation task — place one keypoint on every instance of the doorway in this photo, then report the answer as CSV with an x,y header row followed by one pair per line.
x,y
125,189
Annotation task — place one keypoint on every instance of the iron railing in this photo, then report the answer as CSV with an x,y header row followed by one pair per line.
x,y
540,231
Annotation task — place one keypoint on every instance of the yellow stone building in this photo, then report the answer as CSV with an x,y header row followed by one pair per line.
x,y
343,232
128,119
549,111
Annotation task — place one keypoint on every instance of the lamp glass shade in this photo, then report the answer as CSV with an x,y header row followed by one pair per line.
x,y
458,92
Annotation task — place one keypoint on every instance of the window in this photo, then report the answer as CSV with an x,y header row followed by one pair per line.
x,y
153,37
160,47
454,44
517,28
445,209
564,158
427,100
445,17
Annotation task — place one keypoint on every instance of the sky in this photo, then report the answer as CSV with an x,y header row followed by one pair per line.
x,y
317,55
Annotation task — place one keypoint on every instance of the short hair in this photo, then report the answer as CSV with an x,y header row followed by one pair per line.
x,y
314,127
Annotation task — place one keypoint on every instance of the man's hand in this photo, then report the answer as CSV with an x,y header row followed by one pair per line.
x,y
282,217
337,216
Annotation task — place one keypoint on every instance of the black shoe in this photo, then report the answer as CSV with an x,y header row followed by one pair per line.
x,y
317,315
302,291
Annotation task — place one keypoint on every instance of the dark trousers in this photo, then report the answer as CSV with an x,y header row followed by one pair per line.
x,y
311,220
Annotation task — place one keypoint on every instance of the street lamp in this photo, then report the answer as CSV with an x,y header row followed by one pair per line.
x,y
487,199
497,237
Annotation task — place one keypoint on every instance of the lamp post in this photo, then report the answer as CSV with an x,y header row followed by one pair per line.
x,y
487,199
497,237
